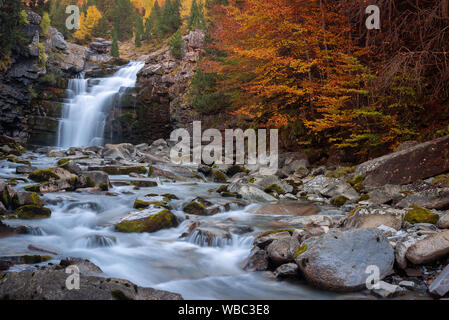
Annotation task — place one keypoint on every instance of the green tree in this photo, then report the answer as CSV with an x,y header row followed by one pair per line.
x,y
175,44
101,29
114,48
196,18
123,18
139,30
11,19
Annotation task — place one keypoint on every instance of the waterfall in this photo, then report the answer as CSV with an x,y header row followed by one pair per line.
x,y
89,104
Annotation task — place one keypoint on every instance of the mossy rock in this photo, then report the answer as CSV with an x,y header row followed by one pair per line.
x,y
170,196
357,182
274,188
442,180
63,161
119,295
339,201
103,186
43,175
27,259
222,188
301,250
219,176
163,220
89,182
195,208
364,197
228,194
15,160
33,212
33,188
143,184
340,172
150,171
114,170
418,214
234,170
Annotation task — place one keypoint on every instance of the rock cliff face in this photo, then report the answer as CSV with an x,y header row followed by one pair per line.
x,y
159,102
32,89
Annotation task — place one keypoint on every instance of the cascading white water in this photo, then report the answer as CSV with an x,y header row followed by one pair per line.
x,y
85,114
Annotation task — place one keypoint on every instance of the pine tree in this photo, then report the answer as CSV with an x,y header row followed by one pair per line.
x,y
175,44
148,29
123,17
114,48
155,19
138,31
10,31
101,29
196,18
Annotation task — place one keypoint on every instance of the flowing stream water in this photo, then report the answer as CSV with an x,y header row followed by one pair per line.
x,y
85,113
82,223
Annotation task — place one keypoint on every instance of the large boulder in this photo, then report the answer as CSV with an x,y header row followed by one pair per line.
x,y
339,261
429,249
73,59
50,285
419,162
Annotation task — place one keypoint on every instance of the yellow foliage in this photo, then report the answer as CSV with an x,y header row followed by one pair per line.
x,y
87,23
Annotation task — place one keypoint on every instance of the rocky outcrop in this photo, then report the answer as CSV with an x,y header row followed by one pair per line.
x,y
419,162
50,284
33,88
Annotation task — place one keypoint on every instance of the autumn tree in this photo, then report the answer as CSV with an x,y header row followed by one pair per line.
x,y
88,23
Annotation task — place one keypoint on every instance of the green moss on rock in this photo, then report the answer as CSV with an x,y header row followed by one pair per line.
x,y
195,208
104,186
357,182
219,176
119,295
364,197
144,184
339,201
150,171
340,172
35,259
163,220
301,249
222,188
170,196
33,212
274,188
43,175
418,214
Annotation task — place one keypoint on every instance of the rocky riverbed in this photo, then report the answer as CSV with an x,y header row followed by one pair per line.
x,y
135,221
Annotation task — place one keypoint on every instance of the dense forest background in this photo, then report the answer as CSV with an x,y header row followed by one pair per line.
x,y
308,67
